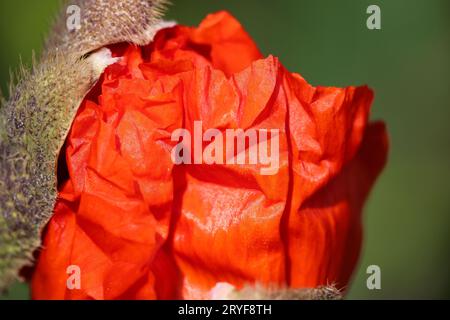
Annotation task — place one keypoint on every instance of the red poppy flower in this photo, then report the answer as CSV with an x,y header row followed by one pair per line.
x,y
140,227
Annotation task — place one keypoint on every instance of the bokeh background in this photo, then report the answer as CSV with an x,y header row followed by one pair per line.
x,y
407,63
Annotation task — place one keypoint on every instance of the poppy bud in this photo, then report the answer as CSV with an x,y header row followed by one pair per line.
x,y
139,225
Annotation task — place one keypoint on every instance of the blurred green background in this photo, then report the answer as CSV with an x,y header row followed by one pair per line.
x,y
407,62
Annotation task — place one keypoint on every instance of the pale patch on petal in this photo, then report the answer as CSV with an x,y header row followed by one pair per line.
x,y
101,59
226,291
222,291
153,29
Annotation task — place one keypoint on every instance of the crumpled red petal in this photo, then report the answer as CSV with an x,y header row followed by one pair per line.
x,y
140,227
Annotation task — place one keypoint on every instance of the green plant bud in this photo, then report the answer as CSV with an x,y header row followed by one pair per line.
x,y
36,119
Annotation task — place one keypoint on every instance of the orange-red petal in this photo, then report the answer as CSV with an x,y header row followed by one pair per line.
x,y
140,227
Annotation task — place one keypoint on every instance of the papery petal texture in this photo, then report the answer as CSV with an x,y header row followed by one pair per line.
x,y
140,227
